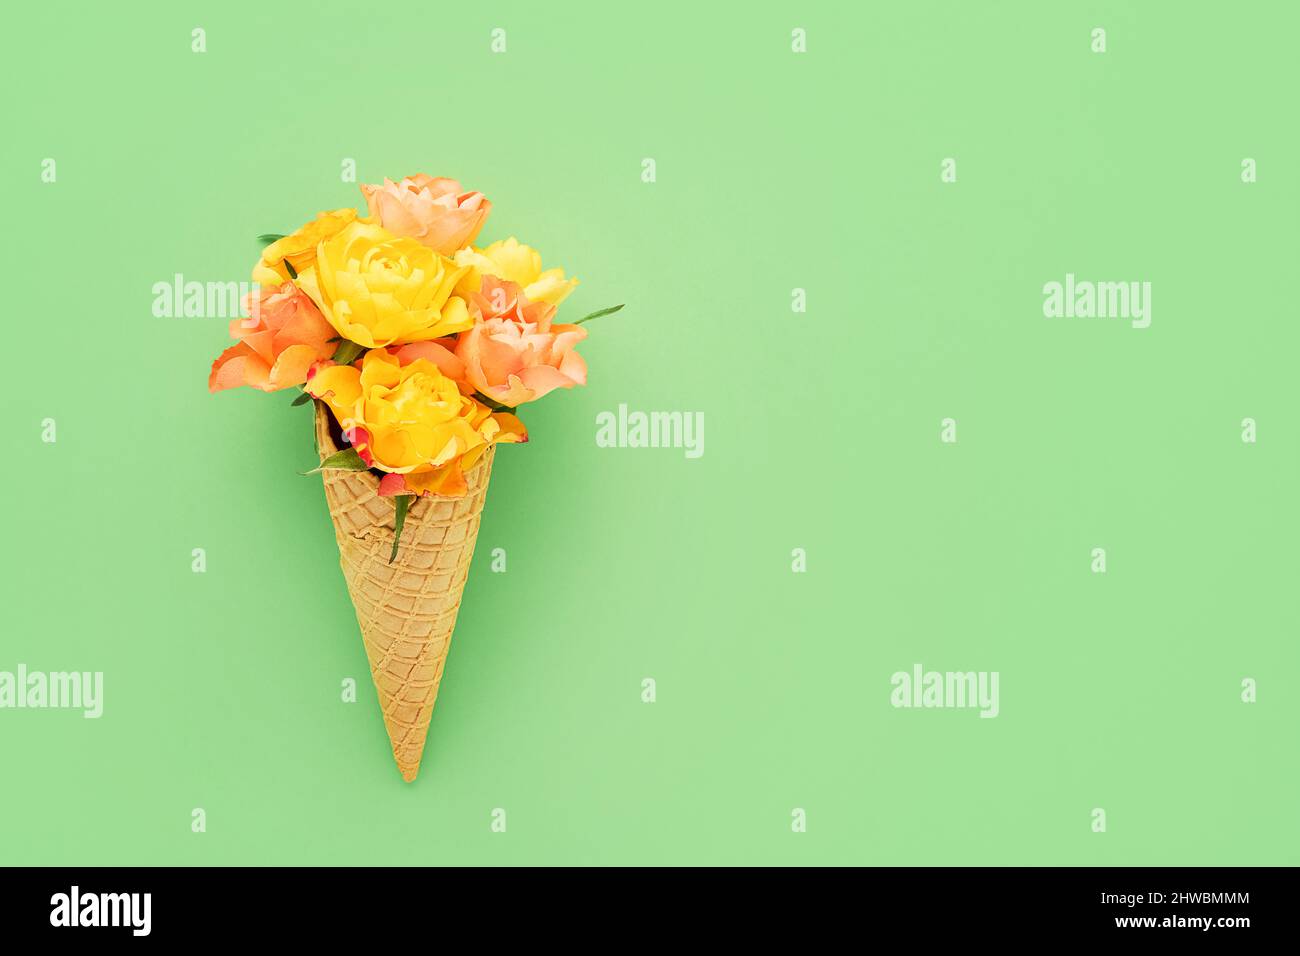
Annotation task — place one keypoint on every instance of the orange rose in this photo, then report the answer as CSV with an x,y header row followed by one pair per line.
x,y
432,211
298,249
407,419
513,354
283,337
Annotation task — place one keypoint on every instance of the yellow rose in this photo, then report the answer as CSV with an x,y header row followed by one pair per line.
x,y
378,289
411,421
515,262
299,248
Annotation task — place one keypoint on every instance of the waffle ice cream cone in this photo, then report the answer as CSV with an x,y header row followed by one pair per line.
x,y
407,609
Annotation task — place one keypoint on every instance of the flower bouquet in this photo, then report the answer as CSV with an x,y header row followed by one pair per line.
x,y
418,347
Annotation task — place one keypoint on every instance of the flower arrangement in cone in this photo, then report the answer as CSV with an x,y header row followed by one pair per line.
x,y
418,347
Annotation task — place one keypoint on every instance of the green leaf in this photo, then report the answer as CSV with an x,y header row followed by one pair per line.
x,y
302,399
267,238
403,504
596,315
288,267
347,352
345,460
495,406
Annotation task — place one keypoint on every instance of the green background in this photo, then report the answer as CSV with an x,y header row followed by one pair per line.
x,y
776,171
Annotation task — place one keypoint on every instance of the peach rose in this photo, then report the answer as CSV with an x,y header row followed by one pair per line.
x,y
283,337
432,211
442,353
513,354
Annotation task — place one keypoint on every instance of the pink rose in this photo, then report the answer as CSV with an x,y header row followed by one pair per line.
x,y
513,354
282,338
432,211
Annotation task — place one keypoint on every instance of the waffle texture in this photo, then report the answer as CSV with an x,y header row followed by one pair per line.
x,y
407,609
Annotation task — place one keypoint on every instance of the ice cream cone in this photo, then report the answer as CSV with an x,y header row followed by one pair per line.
x,y
407,609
